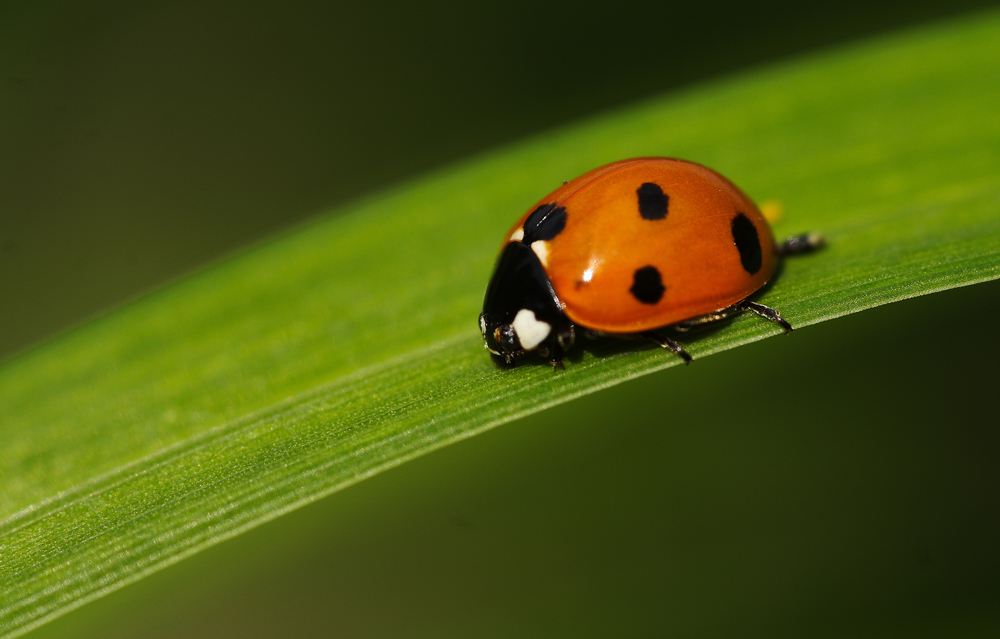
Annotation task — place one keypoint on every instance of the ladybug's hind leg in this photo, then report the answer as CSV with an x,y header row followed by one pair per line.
x,y
795,245
766,312
798,244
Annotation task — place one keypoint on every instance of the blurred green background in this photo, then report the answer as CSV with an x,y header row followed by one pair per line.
x,y
139,141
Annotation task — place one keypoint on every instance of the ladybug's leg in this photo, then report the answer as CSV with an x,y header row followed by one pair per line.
x,y
554,355
671,345
561,341
565,335
804,243
721,314
766,312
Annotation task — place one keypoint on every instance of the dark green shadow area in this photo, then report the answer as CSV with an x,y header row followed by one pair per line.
x,y
839,482
141,140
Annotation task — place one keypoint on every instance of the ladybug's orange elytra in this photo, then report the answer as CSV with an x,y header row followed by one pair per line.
x,y
592,262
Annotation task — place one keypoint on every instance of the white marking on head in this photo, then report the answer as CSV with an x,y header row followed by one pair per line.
x,y
482,325
541,249
530,330
517,235
588,274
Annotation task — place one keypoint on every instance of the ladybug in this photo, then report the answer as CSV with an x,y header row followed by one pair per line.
x,y
626,249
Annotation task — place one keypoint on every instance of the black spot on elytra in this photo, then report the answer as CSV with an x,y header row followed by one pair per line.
x,y
652,201
544,223
747,242
647,285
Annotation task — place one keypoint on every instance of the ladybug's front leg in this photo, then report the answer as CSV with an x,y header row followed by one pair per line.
x,y
561,341
554,354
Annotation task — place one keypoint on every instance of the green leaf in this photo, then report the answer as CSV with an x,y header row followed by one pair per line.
x,y
349,346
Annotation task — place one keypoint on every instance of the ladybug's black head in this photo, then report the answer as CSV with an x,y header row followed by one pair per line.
x,y
520,311
501,339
